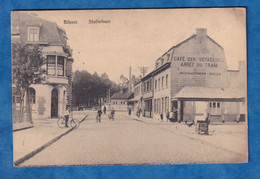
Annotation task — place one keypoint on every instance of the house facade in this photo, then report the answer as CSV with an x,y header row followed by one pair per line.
x,y
120,101
49,98
193,75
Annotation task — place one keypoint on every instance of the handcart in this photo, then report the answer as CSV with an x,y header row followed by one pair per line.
x,y
203,127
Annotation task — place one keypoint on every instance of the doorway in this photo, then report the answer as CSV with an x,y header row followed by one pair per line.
x,y
54,103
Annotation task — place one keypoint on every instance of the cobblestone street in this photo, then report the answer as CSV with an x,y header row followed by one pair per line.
x,y
127,141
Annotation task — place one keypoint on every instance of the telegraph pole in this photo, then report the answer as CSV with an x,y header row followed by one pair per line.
x,y
143,70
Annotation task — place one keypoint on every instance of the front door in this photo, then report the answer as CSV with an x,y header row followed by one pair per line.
x,y
54,103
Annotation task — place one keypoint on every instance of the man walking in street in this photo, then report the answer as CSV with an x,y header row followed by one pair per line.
x,y
99,112
104,109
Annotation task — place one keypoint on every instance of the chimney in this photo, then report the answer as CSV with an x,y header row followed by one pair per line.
x,y
130,81
201,32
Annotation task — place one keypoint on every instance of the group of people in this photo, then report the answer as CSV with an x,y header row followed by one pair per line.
x,y
99,113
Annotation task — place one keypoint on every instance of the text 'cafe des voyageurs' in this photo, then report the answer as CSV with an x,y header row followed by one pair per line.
x,y
194,74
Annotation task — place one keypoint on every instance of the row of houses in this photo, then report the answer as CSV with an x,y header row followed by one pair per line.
x,y
189,76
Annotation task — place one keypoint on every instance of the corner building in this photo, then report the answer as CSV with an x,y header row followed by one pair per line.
x,y
191,75
48,99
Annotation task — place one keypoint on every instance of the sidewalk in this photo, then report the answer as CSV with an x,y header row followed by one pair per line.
x,y
29,141
231,137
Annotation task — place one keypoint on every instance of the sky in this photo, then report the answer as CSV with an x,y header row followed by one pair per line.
x,y
138,37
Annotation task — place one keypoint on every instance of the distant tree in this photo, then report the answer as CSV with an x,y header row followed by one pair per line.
x,y
27,61
88,89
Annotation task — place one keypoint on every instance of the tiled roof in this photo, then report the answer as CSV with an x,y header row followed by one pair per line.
x,y
122,96
49,31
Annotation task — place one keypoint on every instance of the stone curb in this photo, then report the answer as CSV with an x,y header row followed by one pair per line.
x,y
31,154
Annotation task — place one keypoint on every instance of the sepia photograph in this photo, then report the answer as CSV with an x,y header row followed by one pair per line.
x,y
129,87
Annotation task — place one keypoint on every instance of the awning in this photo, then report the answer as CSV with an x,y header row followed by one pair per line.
x,y
132,100
205,94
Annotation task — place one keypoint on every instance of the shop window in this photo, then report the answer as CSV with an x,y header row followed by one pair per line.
x,y
166,104
51,64
33,34
60,66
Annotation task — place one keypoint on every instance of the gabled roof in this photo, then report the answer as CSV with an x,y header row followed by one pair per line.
x,y
122,96
49,31
191,37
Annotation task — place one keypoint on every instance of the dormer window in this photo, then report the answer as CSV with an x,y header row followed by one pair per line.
x,y
33,34
162,60
156,65
168,57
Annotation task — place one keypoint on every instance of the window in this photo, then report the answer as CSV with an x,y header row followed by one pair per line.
x,y
162,60
157,65
155,85
162,104
51,64
32,98
159,105
60,66
166,104
166,81
168,57
159,81
215,108
150,84
33,34
155,106
162,81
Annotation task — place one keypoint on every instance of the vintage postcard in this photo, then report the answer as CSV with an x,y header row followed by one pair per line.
x,y
129,86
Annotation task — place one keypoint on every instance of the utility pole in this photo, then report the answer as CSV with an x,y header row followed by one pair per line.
x,y
143,70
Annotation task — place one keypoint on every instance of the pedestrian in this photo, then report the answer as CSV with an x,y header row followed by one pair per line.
x,y
167,115
104,109
140,112
129,111
99,112
161,116
66,116
112,113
